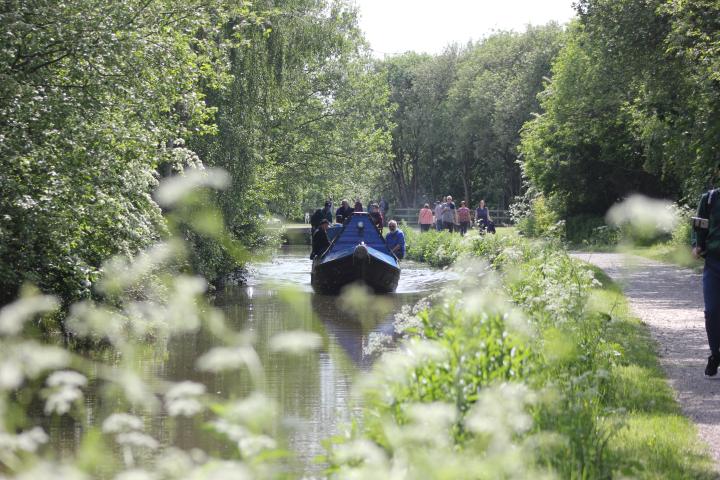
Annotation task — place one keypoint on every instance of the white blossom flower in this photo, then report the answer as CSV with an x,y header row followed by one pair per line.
x,y
227,358
185,389
436,414
231,430
500,413
11,375
174,463
14,315
68,378
181,399
61,400
87,319
377,342
121,422
137,439
37,358
360,451
295,342
175,188
19,361
26,202
184,407
643,214
254,444
27,441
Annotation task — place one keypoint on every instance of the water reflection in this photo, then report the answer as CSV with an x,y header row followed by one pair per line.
x,y
314,393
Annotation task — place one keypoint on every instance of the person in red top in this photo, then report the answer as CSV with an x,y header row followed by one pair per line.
x,y
463,215
425,218
376,217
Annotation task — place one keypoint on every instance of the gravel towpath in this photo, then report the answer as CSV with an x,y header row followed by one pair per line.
x,y
669,300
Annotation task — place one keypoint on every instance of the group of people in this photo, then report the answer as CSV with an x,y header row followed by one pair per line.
x,y
321,220
447,216
377,212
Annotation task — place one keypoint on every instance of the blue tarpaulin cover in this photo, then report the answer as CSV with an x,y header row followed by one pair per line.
x,y
352,235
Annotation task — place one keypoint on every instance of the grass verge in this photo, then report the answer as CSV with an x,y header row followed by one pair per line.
x,y
667,253
655,439
530,367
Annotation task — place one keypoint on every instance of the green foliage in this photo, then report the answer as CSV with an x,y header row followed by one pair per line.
x,y
591,230
99,100
459,113
439,249
305,117
536,215
631,107
92,96
535,357
148,301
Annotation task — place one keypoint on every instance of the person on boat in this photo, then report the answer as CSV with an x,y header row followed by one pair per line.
x,y
463,216
438,215
449,214
320,242
358,206
384,206
327,211
344,212
315,219
376,217
395,240
482,216
425,218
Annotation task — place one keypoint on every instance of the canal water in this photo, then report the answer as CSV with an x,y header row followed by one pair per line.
x,y
312,391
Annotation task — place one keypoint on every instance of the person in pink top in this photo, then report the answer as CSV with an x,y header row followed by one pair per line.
x,y
463,215
425,218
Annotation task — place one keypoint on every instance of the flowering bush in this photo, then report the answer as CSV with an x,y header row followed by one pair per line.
x,y
507,375
147,301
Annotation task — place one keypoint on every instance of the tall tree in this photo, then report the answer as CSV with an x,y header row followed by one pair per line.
x,y
459,114
91,92
632,107
305,116
496,93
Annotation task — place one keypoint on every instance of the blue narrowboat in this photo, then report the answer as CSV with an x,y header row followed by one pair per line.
x,y
357,253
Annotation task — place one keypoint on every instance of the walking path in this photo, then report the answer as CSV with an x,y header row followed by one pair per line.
x,y
669,300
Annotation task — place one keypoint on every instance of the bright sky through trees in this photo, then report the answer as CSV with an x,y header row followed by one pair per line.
x,y
397,26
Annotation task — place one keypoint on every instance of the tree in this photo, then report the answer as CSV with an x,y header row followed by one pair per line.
x,y
305,116
91,94
632,106
496,93
459,114
419,87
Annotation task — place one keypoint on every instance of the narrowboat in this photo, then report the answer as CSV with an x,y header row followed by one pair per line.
x,y
357,253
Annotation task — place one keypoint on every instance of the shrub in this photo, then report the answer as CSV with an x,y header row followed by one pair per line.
x,y
439,249
681,234
527,332
538,216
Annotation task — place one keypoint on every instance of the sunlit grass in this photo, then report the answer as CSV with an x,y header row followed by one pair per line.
x,y
661,442
669,252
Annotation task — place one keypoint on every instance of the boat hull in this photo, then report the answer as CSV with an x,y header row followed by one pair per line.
x,y
331,277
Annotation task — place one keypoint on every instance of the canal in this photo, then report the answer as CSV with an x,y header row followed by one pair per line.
x,y
312,392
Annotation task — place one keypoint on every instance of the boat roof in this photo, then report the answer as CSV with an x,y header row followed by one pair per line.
x,y
351,235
